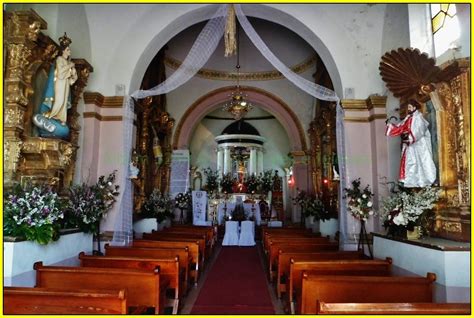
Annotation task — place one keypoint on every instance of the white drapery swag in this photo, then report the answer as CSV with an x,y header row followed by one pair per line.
x,y
199,54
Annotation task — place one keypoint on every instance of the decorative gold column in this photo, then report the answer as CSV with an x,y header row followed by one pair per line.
x,y
322,135
452,100
21,32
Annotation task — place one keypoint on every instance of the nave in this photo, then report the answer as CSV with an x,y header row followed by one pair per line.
x,y
185,270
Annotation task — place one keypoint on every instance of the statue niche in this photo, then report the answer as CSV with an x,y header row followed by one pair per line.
x,y
28,156
445,93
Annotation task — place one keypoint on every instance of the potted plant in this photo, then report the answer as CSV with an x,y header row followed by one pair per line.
x,y
212,177
408,209
157,206
227,183
88,205
360,203
33,212
182,202
266,182
360,206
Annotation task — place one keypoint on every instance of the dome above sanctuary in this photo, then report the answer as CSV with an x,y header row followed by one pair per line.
x,y
240,127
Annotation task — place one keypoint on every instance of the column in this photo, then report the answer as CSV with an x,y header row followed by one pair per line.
x,y
227,160
260,160
253,161
220,161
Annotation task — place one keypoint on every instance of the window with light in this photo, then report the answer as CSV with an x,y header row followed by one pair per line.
x,y
445,27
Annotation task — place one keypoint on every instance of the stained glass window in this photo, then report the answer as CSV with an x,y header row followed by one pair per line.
x,y
445,26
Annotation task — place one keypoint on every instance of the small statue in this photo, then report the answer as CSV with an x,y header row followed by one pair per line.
x,y
52,117
133,167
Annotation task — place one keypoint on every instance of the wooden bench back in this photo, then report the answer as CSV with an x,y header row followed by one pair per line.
x,y
285,256
193,248
175,237
311,246
208,230
169,267
335,267
187,232
268,238
159,253
144,287
394,308
45,301
362,289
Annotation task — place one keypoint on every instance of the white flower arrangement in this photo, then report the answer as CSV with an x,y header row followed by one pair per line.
x,y
405,206
359,202
158,206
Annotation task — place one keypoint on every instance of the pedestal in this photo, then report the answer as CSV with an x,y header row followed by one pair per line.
x,y
449,260
19,256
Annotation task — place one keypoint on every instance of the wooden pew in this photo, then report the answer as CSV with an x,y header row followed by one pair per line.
x,y
210,231
363,289
158,253
193,248
332,267
309,246
179,237
285,256
45,301
267,236
296,241
394,308
145,288
169,269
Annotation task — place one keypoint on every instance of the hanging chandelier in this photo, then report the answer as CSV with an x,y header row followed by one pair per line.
x,y
238,106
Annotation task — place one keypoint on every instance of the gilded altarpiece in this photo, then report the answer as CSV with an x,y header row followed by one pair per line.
x,y
452,102
154,133
323,160
29,54
409,73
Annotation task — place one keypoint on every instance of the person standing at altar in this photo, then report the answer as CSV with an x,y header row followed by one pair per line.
x,y
417,168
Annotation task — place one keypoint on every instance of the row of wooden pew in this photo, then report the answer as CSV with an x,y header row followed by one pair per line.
x,y
153,273
311,276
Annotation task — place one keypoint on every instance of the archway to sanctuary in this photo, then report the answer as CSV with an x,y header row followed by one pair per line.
x,y
215,99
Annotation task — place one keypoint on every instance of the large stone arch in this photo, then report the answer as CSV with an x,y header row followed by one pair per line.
x,y
213,100
262,11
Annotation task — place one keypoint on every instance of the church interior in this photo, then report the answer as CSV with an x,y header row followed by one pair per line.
x,y
237,158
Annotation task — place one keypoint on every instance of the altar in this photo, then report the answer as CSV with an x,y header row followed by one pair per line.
x,y
250,209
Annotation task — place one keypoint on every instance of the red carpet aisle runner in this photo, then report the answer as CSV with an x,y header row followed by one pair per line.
x,y
235,285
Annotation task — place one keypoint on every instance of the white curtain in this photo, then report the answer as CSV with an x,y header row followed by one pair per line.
x,y
199,54
123,229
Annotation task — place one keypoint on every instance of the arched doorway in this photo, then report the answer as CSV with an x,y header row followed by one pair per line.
x,y
265,100
265,12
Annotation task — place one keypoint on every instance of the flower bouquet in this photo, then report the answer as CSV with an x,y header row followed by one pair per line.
x,y
252,183
407,208
360,201
88,205
158,206
33,212
227,183
266,181
212,177
313,206
183,202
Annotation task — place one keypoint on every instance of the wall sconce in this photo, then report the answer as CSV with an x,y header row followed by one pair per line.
x,y
291,181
